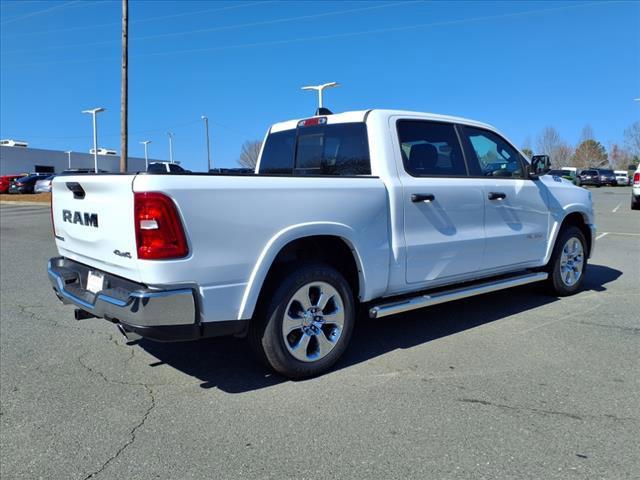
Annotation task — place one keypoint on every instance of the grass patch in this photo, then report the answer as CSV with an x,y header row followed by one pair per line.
x,y
27,197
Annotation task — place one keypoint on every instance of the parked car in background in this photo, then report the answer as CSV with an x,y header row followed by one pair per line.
x,y
589,177
5,181
26,184
635,190
567,174
607,177
165,167
622,177
44,185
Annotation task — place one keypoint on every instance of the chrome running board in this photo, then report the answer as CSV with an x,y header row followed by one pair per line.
x,y
443,296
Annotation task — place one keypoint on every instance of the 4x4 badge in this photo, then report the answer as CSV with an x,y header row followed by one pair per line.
x,y
122,254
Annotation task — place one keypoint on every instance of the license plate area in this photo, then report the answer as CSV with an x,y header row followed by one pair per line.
x,y
95,281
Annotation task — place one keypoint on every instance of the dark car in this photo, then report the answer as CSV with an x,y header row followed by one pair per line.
x,y
26,184
607,177
590,177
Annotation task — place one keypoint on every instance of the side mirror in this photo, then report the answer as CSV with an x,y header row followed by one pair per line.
x,y
540,165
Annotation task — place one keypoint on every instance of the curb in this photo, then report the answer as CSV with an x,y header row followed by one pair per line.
x,y
9,202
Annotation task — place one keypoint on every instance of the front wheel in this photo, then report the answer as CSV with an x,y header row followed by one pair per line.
x,y
568,262
304,328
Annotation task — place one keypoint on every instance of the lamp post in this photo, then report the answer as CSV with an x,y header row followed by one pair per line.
x,y
146,154
94,112
170,135
206,128
68,152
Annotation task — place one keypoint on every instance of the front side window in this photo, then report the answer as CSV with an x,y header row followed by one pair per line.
x,y
430,149
494,156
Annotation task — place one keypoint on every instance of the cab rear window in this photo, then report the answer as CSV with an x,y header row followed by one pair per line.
x,y
334,150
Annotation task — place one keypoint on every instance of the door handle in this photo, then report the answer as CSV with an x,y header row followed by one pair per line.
x,y
497,196
422,197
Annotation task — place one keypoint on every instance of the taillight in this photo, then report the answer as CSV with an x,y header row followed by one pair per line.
x,y
159,232
636,178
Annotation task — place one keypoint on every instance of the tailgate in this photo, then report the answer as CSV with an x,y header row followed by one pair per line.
x,y
93,222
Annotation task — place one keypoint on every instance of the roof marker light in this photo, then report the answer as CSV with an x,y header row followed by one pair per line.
x,y
310,122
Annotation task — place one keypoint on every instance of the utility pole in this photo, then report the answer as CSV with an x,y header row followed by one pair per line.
x,y
170,135
68,152
206,128
124,87
146,154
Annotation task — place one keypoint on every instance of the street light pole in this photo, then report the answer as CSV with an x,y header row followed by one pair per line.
x,y
206,127
170,135
94,112
68,152
146,155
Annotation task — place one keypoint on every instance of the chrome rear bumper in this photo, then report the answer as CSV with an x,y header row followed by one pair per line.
x,y
121,300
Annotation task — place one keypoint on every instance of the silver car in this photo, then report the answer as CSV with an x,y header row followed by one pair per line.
x,y
44,185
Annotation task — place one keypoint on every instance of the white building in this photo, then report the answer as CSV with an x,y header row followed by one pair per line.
x,y
19,159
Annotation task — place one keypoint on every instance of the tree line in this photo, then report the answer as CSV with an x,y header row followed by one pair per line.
x,y
589,152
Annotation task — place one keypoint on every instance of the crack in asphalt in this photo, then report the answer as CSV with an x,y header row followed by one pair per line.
x,y
622,328
132,435
540,411
136,427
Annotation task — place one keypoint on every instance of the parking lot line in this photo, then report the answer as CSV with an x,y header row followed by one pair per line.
x,y
616,209
602,235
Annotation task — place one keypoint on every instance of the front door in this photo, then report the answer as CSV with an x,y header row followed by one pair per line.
x,y
516,212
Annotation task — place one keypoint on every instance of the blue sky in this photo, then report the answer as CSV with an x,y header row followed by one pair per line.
x,y
517,65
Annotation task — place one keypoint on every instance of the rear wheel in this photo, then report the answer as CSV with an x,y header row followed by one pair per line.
x,y
635,203
568,262
306,325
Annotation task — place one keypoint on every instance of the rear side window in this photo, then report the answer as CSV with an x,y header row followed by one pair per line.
x,y
430,149
340,149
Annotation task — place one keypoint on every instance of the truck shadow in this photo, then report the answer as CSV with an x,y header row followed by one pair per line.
x,y
228,363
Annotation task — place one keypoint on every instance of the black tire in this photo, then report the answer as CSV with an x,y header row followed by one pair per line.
x,y
635,203
266,335
561,286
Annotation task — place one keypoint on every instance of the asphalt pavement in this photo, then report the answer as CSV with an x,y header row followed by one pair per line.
x,y
510,385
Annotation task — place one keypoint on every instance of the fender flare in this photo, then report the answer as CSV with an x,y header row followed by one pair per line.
x,y
557,220
278,242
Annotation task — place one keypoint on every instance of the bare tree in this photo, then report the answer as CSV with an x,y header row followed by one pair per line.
x,y
587,134
632,139
548,143
563,155
619,158
249,153
526,147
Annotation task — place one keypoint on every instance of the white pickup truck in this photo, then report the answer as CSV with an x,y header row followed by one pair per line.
x,y
380,210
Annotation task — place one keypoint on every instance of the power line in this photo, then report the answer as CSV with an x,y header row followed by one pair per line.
x,y
223,28
144,20
330,36
39,12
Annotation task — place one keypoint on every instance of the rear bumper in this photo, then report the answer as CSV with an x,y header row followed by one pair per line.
x,y
165,315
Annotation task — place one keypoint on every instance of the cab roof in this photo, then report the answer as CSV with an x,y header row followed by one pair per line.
x,y
381,114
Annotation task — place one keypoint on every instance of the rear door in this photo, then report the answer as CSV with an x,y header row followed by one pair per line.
x,y
443,207
94,222
516,211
